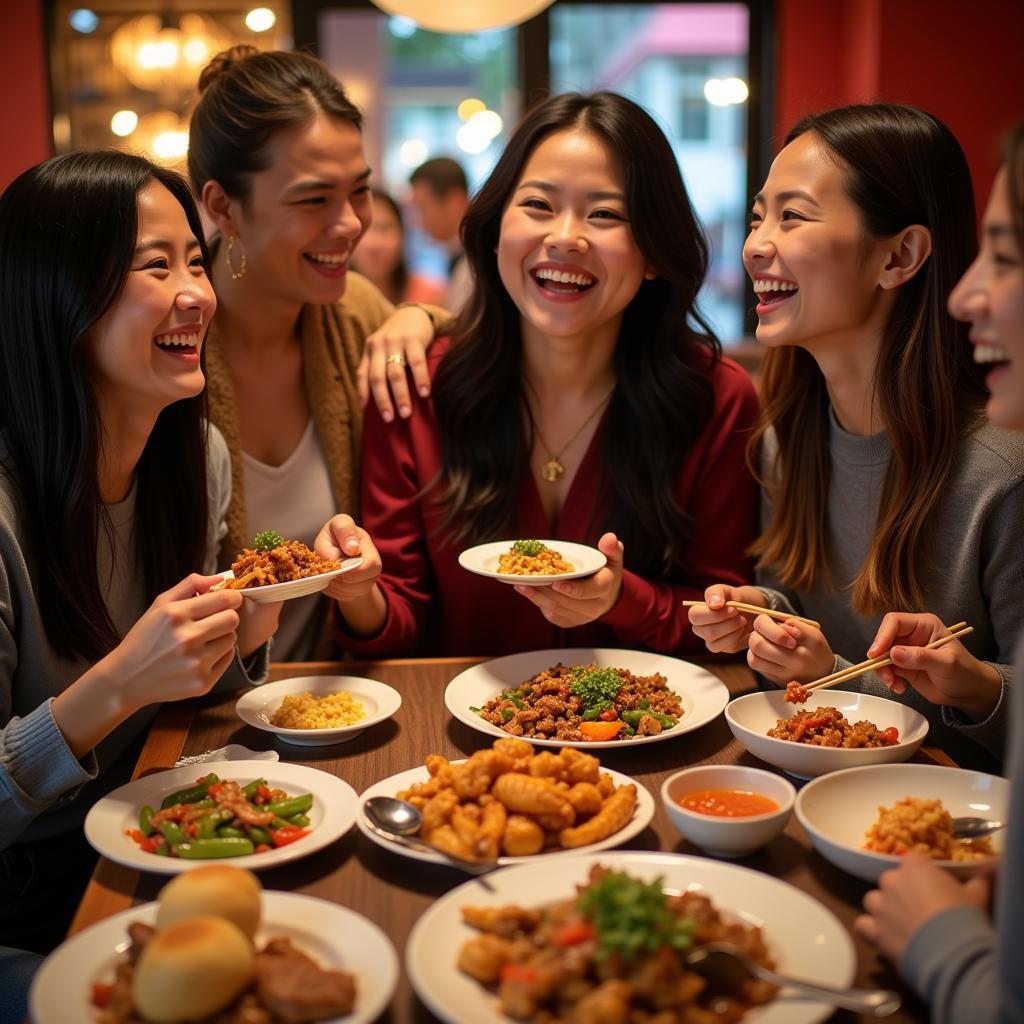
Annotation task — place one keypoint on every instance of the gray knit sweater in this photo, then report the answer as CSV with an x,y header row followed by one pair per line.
x,y
44,788
974,568
966,969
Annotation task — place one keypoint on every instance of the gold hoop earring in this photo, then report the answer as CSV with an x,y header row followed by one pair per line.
x,y
228,253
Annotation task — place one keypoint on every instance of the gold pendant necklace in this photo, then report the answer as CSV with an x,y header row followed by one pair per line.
x,y
553,470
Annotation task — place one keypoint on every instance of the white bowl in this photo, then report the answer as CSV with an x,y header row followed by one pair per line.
x,y
728,837
838,809
257,706
751,717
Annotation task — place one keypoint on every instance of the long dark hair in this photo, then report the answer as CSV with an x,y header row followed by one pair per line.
x,y
901,166
246,98
1013,158
68,231
663,394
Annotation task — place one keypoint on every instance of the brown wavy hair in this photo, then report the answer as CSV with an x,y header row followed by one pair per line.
x,y
902,166
247,97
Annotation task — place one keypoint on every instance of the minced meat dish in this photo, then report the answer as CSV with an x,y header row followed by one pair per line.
x,y
827,727
584,703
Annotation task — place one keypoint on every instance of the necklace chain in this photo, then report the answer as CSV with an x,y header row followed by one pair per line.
x,y
553,470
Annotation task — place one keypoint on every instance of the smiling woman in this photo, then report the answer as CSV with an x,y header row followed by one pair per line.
x,y
299,341
582,398
113,492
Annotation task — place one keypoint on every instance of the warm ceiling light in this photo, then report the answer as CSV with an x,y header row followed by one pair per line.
x,y
124,122
725,92
467,108
171,145
259,19
463,15
153,55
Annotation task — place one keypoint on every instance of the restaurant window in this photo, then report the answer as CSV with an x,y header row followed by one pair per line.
x,y
425,94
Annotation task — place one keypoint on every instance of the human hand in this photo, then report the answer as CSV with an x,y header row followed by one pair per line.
x,y
257,623
948,675
339,539
782,651
909,896
179,647
574,602
725,630
407,333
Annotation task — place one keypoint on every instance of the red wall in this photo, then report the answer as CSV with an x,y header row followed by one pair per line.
x,y
27,136
963,62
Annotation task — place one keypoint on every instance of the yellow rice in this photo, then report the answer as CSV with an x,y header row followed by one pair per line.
x,y
304,711
922,826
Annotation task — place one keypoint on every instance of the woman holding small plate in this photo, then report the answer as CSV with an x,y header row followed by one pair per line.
x,y
582,398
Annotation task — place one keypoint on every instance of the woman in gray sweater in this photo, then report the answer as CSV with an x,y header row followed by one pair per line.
x,y
112,492
884,488
933,927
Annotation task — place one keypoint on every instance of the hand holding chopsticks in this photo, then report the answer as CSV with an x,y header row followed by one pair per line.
x,y
959,630
756,609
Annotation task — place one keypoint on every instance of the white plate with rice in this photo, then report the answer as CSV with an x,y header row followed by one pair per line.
x,y
315,711
484,561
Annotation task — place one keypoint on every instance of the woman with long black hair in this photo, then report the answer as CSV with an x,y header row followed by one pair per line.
x,y
113,492
582,397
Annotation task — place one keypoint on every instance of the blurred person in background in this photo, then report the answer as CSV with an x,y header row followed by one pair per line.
x,y
380,257
440,193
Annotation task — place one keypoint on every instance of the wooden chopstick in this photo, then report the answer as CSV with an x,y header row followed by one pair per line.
x,y
872,663
755,609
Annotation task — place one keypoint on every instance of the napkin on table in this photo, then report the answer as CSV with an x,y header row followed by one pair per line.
x,y
232,752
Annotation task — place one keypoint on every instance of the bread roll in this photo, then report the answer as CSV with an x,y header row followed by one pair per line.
x,y
190,970
217,890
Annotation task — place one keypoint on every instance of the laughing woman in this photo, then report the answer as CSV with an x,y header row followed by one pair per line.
x,y
934,928
873,416
299,341
582,398
104,306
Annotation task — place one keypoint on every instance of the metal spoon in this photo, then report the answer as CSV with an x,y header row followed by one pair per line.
x,y
974,828
397,820
724,967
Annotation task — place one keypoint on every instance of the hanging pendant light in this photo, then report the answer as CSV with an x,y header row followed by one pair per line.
x,y
463,15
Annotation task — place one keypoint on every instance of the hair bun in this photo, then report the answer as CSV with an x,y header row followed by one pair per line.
x,y
223,61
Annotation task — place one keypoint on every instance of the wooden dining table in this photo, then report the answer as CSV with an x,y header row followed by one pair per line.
x,y
393,890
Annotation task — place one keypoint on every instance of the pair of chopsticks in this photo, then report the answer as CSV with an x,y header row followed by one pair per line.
x,y
755,609
959,630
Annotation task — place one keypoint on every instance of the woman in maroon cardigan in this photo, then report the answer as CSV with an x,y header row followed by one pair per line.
x,y
581,398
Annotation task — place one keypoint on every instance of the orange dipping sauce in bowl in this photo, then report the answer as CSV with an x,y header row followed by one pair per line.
x,y
727,803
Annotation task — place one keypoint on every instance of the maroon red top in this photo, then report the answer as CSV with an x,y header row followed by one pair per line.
x,y
435,607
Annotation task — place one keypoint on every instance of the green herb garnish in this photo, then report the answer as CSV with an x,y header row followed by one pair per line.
x,y
530,548
593,685
267,540
633,917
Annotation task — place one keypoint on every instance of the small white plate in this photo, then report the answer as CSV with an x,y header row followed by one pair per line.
x,y
642,815
258,705
804,938
836,810
295,588
483,560
751,716
335,937
703,695
335,808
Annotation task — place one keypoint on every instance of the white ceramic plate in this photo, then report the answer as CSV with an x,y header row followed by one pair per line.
x,y
295,588
838,809
483,560
703,695
335,937
805,939
257,706
642,815
751,717
335,808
